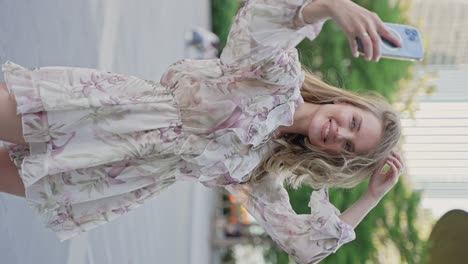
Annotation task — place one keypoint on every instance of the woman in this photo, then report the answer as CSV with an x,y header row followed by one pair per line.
x,y
87,146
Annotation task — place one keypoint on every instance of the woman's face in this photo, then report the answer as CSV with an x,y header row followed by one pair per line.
x,y
341,126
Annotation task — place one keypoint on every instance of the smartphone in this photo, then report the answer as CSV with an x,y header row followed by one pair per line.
x,y
411,48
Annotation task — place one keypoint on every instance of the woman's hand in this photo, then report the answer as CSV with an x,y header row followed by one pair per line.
x,y
380,183
358,22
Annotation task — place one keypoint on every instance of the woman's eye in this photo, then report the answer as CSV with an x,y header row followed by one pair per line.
x,y
353,123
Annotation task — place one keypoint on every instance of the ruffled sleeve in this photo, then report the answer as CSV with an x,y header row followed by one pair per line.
x,y
263,37
307,238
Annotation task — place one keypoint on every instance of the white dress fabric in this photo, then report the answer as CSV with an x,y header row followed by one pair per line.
x,y
101,143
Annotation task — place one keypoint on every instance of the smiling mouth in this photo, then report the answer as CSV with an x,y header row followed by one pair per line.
x,y
326,130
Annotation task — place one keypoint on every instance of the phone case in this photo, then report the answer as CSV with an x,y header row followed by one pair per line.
x,y
410,38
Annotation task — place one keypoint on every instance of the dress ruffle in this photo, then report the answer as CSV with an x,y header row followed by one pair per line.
x,y
22,86
308,238
100,143
219,153
65,88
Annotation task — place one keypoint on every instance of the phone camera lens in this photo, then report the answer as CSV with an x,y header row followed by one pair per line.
x,y
411,32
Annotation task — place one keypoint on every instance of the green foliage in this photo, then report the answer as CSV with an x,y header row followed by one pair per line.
x,y
394,220
222,14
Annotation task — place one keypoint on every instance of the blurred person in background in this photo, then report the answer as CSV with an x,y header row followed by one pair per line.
x,y
205,42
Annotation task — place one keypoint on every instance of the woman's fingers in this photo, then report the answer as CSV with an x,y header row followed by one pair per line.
x,y
375,38
370,40
367,43
388,35
398,156
360,24
353,47
394,169
396,162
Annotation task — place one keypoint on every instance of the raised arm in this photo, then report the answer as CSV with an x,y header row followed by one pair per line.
x,y
265,30
307,238
380,183
313,12
356,212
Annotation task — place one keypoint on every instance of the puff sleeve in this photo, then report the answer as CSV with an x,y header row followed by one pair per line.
x,y
307,238
263,37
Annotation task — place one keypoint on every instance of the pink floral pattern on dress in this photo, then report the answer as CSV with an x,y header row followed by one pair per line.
x,y
108,143
102,143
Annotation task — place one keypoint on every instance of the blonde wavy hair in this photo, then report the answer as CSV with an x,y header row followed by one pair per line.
x,y
299,162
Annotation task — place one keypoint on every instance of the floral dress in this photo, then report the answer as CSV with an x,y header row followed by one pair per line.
x,y
101,143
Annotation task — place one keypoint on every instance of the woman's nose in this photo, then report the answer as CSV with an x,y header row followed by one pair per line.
x,y
343,134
